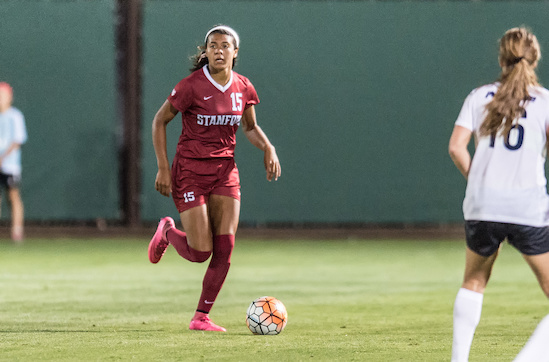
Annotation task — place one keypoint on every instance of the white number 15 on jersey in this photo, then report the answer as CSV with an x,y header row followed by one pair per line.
x,y
237,101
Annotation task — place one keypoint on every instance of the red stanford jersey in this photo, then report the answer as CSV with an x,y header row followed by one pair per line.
x,y
211,113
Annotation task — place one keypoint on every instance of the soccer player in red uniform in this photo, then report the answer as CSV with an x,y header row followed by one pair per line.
x,y
203,180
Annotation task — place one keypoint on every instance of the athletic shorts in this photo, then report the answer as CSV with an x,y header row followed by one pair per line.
x,y
10,181
194,180
485,237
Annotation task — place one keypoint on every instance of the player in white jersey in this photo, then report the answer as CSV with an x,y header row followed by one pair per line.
x,y
506,196
12,135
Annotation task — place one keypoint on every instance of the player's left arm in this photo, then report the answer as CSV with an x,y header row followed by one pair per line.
x,y
259,139
19,137
458,149
14,146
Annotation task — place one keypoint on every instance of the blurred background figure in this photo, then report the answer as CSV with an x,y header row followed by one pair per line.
x,y
13,134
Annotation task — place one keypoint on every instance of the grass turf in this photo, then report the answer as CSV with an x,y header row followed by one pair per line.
x,y
347,300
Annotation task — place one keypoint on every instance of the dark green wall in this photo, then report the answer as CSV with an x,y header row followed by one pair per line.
x,y
359,98
59,57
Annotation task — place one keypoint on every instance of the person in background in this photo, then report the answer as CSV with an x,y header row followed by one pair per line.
x,y
506,195
203,180
13,134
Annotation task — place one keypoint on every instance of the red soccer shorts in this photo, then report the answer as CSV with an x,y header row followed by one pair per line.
x,y
194,180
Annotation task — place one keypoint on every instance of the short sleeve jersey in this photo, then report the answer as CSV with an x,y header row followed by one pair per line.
x,y
210,113
12,130
506,181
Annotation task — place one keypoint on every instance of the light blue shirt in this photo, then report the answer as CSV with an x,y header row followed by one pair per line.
x,y
12,130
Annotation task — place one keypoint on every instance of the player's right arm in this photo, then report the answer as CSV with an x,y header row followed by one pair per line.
x,y
458,149
165,114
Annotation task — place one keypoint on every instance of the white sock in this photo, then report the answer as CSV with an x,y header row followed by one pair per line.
x,y
537,347
467,308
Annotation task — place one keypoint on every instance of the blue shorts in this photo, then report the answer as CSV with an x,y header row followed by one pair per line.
x,y
10,181
485,237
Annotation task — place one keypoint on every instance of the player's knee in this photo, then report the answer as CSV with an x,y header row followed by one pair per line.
x,y
197,256
223,249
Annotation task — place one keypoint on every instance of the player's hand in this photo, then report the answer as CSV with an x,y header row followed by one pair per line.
x,y
163,182
272,164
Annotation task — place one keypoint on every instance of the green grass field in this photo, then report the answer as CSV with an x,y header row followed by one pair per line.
x,y
347,300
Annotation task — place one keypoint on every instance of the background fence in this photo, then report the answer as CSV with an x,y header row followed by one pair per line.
x,y
359,97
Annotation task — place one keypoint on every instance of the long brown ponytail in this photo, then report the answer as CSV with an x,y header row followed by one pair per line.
x,y
519,54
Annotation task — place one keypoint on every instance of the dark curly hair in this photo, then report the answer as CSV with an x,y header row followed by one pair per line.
x,y
200,59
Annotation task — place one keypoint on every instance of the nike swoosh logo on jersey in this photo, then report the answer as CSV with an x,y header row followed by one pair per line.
x,y
208,302
206,98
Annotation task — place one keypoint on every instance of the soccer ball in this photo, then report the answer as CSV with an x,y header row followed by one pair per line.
x,y
266,315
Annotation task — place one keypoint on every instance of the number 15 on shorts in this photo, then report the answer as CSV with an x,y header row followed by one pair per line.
x,y
189,196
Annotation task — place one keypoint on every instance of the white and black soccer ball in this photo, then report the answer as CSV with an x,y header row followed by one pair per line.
x,y
266,315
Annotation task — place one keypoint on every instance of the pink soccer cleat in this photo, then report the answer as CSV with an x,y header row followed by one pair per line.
x,y
159,243
204,323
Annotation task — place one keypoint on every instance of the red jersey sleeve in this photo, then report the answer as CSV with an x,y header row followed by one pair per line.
x,y
181,96
251,98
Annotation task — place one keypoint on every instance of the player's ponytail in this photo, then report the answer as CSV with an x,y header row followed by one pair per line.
x,y
519,53
199,59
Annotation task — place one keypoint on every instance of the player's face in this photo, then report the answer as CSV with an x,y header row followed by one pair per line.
x,y
5,99
220,51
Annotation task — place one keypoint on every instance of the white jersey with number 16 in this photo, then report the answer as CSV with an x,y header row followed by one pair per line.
x,y
506,182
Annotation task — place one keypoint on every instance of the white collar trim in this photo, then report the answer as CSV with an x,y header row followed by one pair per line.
x,y
217,85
